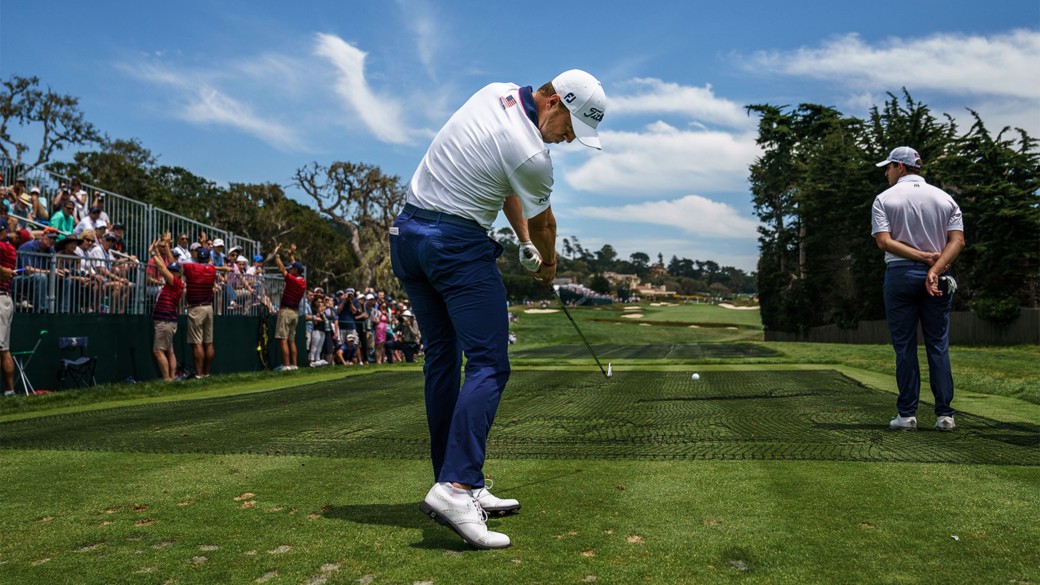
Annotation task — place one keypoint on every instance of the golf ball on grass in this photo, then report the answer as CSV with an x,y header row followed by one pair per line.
x,y
696,376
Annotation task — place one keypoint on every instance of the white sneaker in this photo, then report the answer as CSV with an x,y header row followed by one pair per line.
x,y
945,423
493,505
456,509
903,423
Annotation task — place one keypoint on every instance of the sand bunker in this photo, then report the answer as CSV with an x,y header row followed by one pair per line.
x,y
729,306
542,311
632,316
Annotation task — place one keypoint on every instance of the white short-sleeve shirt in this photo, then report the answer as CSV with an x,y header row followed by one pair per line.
x,y
916,214
488,150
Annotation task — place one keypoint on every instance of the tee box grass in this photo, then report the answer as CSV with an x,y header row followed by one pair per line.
x,y
776,467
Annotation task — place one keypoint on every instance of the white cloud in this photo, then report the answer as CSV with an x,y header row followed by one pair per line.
x,y
206,105
213,107
381,114
427,32
693,214
664,158
654,96
1003,65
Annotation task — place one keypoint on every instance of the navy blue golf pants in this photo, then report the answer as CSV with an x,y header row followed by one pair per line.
x,y
447,266
908,304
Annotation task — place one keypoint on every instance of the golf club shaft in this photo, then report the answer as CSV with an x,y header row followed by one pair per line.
x,y
580,334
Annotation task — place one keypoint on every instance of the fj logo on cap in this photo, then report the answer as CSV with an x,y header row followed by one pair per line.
x,y
569,97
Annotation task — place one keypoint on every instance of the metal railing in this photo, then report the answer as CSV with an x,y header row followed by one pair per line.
x,y
74,284
143,222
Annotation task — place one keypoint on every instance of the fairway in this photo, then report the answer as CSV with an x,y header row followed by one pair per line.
x,y
653,351
643,415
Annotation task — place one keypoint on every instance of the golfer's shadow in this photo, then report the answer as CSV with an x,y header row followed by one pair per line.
x,y
406,516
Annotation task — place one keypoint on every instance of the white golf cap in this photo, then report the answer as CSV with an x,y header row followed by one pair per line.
x,y
583,95
902,154
218,243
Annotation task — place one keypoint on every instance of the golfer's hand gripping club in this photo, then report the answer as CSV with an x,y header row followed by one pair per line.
x,y
529,257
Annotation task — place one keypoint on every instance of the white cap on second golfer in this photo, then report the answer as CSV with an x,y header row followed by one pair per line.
x,y
583,95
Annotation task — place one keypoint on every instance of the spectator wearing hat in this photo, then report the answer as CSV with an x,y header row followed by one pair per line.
x,y
227,279
90,222
119,229
200,277
217,250
289,307
99,202
344,313
19,201
8,259
70,282
193,253
35,259
407,336
39,206
118,286
64,219
239,283
257,268
166,309
348,352
20,236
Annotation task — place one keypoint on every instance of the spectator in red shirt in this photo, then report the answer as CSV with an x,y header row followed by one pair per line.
x,y
289,308
200,277
166,309
8,258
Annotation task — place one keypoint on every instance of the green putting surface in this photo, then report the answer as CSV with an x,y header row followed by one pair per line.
x,y
778,415
674,351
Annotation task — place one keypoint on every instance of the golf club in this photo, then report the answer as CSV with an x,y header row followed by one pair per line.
x,y
580,334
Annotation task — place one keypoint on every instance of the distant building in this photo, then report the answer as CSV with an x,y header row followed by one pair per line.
x,y
632,280
650,291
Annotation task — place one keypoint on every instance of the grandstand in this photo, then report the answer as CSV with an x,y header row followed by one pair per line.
x,y
65,292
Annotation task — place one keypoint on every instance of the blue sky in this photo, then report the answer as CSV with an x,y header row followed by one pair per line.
x,y
251,91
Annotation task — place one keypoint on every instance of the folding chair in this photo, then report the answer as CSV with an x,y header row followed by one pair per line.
x,y
21,361
81,369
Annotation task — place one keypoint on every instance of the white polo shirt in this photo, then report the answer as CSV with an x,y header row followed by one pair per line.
x,y
916,214
488,150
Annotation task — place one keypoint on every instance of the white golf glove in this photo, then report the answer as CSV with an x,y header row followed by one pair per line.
x,y
529,257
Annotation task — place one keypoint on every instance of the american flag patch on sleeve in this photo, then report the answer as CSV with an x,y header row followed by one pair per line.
x,y
508,101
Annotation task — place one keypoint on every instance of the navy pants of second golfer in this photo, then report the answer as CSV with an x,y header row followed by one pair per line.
x,y
448,270
907,304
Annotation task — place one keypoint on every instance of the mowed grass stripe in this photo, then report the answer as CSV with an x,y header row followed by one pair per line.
x,y
551,414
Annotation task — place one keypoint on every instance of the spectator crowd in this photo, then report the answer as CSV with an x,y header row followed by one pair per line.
x,y
75,259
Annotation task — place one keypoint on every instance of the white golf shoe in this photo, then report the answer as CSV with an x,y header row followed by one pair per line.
x,y
492,504
945,423
903,423
456,509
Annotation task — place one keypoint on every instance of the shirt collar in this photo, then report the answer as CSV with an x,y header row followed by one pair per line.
x,y
527,99
911,179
